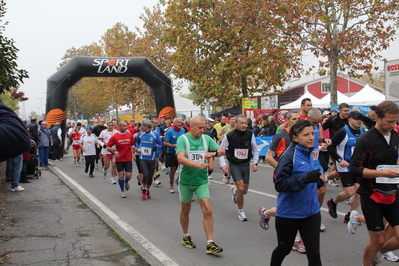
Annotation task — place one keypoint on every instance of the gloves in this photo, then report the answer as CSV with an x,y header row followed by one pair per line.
x,y
313,176
155,148
105,146
320,183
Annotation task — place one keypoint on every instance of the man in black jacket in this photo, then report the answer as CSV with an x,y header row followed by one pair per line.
x,y
13,134
33,129
378,146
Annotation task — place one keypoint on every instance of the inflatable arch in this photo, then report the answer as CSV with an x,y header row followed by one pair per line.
x,y
85,66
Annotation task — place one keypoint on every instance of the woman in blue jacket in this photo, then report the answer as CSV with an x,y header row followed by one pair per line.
x,y
298,207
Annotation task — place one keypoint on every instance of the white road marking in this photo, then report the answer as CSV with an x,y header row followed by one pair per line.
x,y
162,257
270,195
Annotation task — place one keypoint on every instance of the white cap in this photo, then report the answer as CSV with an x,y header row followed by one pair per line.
x,y
210,119
326,112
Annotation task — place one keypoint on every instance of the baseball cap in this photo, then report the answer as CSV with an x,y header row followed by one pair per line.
x,y
210,119
326,112
355,115
89,128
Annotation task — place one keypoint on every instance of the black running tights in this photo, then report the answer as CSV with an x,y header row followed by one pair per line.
x,y
89,161
286,231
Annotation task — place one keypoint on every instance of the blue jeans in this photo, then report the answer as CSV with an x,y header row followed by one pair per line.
x,y
14,167
43,155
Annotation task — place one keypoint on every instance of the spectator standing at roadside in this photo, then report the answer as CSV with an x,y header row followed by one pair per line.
x,y
45,142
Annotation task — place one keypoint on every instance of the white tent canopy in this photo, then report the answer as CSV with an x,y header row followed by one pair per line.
x,y
297,103
185,106
326,100
367,96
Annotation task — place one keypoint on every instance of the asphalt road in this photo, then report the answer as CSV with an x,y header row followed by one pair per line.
x,y
152,227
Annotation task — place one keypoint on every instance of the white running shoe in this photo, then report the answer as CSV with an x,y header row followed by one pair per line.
x,y
96,166
233,193
209,177
391,256
299,246
18,189
157,182
229,181
263,218
127,186
123,195
171,189
322,228
225,179
112,181
353,222
242,216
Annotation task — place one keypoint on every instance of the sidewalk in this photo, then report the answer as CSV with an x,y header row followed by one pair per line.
x,y
47,224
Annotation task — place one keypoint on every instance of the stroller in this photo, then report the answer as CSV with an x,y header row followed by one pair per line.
x,y
32,168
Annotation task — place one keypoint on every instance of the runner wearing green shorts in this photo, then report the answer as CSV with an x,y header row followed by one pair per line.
x,y
192,153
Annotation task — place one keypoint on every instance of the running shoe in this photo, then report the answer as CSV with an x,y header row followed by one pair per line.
x,y
77,164
157,175
333,182
177,180
332,208
187,242
379,259
144,194
112,181
353,223
138,181
167,171
171,189
123,194
264,218
322,228
96,166
91,175
229,181
127,186
225,179
391,256
157,182
86,169
104,174
233,194
241,216
347,217
212,248
298,246
18,189
348,201
209,177
148,194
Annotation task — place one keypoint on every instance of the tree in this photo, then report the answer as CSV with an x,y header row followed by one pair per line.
x,y
220,47
349,34
10,76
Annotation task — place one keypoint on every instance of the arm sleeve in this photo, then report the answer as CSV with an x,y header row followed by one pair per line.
x,y
327,124
360,154
285,181
13,134
254,150
223,145
335,141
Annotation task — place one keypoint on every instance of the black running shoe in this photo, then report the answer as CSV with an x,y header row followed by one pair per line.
x,y
332,208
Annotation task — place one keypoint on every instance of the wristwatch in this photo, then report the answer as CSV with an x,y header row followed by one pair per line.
x,y
339,160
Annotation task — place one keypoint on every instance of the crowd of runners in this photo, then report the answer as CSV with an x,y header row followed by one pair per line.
x,y
309,150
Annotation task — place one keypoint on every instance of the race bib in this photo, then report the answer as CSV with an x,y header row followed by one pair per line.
x,y
76,142
197,156
146,151
315,154
241,153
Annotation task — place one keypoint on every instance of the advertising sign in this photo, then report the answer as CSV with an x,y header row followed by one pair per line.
x,y
392,80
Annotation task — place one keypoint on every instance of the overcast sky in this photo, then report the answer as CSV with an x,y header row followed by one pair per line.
x,y
44,29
